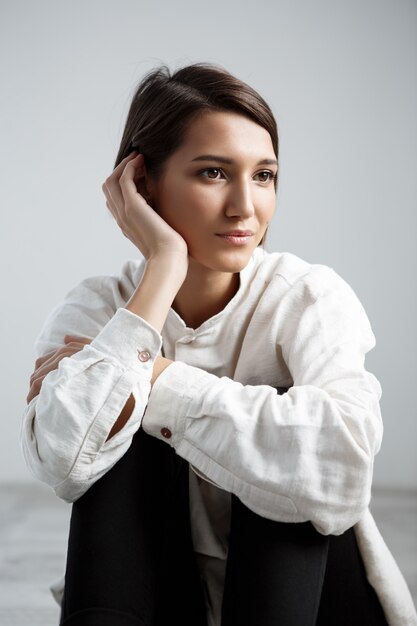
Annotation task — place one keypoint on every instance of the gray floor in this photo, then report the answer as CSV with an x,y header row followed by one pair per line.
x,y
33,535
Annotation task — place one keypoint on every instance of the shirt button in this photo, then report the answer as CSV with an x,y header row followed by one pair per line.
x,y
144,356
165,432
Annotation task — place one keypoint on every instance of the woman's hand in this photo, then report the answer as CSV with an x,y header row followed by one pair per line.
x,y
164,249
50,361
138,221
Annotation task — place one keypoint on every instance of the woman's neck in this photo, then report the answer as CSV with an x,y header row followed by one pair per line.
x,y
204,293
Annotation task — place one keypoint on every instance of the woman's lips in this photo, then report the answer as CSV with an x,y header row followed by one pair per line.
x,y
237,238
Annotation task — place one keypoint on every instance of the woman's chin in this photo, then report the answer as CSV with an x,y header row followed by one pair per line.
x,y
230,262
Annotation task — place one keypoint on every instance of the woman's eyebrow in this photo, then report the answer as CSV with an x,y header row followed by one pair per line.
x,y
220,159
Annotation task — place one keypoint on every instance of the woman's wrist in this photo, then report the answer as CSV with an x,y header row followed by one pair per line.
x,y
160,364
160,283
171,265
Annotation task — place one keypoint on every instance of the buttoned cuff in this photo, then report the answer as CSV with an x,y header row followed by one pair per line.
x,y
130,340
175,398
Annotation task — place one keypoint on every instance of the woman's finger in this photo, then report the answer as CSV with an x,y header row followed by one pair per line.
x,y
116,173
67,339
113,194
41,364
47,367
111,186
111,204
42,359
53,362
119,168
127,179
35,388
77,338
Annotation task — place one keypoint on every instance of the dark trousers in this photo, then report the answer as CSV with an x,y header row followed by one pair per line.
x,y
131,562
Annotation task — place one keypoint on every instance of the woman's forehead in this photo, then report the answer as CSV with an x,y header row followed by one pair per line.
x,y
226,134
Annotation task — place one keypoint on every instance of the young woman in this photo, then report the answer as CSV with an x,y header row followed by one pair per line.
x,y
207,410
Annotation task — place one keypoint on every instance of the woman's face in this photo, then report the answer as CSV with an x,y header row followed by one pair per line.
x,y
217,190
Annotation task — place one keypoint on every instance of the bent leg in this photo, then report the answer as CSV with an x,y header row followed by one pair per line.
x,y
128,535
347,596
274,573
291,575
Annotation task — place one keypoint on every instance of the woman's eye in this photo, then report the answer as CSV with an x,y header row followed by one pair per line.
x,y
265,177
212,172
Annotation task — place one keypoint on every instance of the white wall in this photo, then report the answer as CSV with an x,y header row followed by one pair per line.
x,y
341,78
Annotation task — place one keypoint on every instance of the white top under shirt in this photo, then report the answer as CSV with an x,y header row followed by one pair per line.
x,y
304,455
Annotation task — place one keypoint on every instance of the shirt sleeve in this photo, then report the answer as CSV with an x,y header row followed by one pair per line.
x,y
304,455
64,429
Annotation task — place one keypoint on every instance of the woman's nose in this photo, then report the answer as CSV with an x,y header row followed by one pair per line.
x,y
239,202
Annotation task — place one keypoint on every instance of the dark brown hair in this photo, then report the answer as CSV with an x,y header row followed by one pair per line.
x,y
164,104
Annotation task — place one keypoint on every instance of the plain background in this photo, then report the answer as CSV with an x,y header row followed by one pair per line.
x,y
341,78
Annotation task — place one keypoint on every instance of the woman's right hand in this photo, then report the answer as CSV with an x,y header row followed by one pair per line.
x,y
164,249
138,221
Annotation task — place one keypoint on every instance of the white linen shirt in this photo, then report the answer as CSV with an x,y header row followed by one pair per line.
x,y
304,455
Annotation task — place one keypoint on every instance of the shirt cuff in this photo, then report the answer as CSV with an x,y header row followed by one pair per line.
x,y
172,401
130,340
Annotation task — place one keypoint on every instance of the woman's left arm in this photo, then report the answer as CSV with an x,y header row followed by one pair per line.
x,y
304,455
